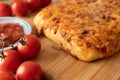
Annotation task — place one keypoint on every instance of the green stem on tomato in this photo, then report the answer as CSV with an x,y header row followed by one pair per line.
x,y
22,41
1,52
6,43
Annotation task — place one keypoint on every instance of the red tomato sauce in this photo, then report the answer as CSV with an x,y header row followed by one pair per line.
x,y
10,33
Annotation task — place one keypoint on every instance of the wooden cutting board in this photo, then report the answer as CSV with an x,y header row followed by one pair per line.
x,y
57,65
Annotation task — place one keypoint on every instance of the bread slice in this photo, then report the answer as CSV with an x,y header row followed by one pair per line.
x,y
87,29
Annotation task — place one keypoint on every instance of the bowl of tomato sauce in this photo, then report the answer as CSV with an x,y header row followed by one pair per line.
x,y
12,29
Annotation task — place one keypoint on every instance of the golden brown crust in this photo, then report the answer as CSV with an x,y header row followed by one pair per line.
x,y
88,29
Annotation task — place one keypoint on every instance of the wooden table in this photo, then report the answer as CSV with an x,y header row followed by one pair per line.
x,y
57,65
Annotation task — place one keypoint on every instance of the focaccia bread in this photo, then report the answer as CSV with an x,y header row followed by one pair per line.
x,y
87,29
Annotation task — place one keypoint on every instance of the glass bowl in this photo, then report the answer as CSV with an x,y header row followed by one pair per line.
x,y
26,27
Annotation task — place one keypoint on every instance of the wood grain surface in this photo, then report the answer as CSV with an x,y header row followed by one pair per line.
x,y
58,65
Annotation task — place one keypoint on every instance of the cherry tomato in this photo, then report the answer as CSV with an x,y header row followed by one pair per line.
x,y
46,2
19,7
5,10
33,5
29,70
10,60
29,46
4,75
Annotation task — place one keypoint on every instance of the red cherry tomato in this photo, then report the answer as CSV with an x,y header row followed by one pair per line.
x,y
29,46
29,70
10,60
45,2
19,7
33,5
5,10
6,75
